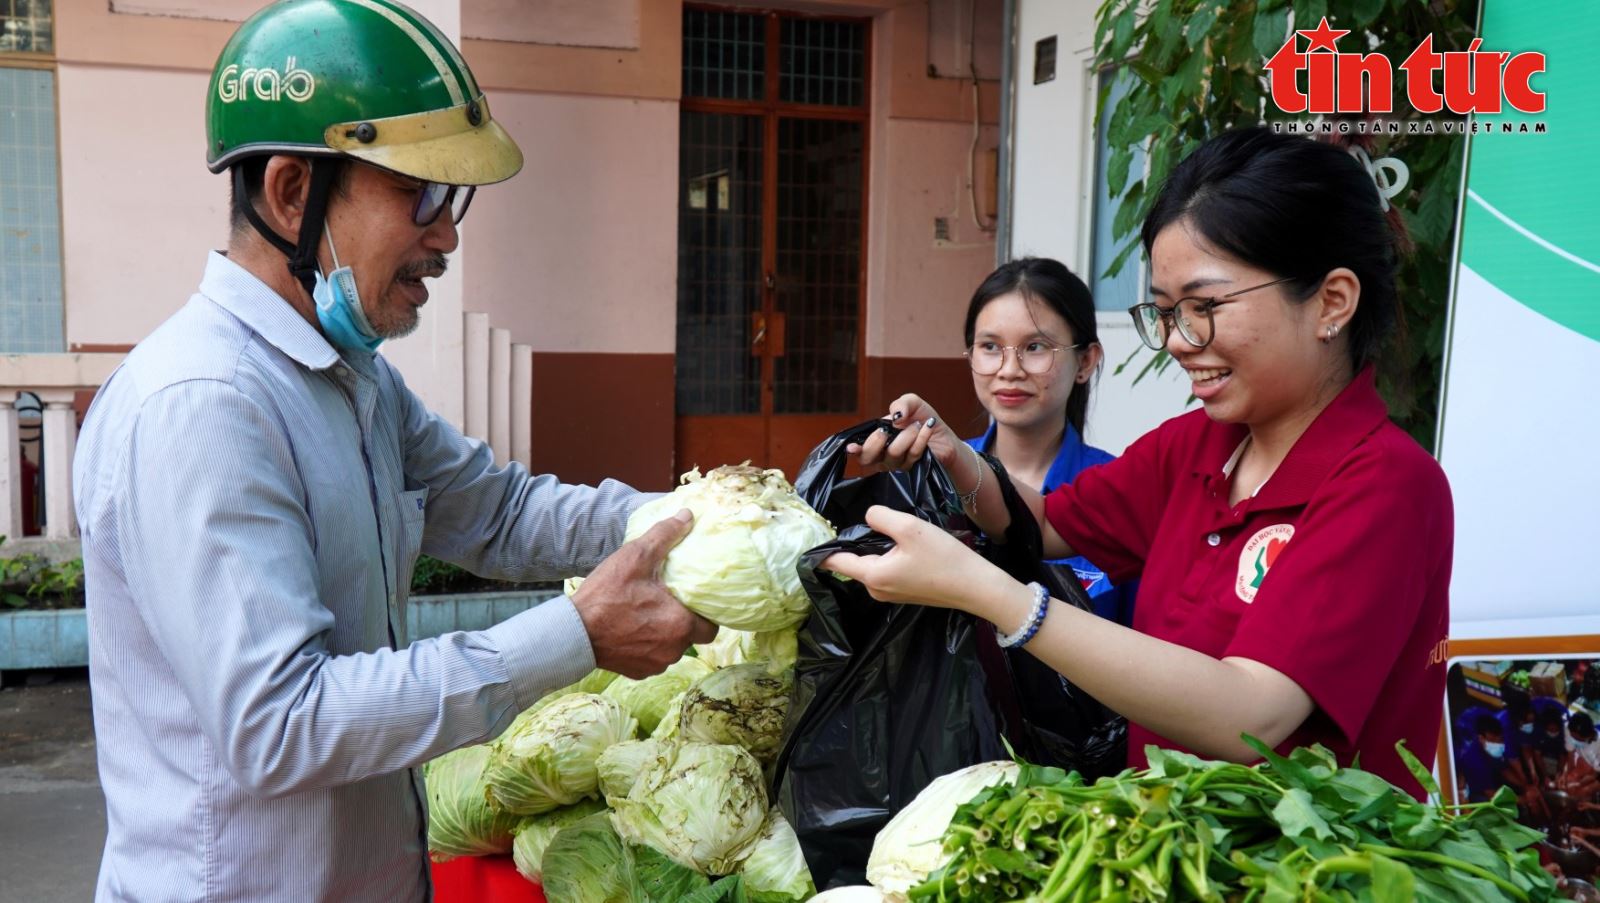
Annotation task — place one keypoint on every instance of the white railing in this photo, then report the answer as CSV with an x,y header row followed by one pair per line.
x,y
499,390
54,379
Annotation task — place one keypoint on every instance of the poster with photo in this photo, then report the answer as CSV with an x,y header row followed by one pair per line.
x,y
1529,723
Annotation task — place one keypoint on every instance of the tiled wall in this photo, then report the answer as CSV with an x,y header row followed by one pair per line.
x,y
30,214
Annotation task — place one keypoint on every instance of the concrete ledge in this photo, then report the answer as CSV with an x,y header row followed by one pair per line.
x,y
43,639
53,550
60,638
429,616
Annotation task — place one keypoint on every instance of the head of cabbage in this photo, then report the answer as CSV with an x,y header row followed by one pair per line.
x,y
534,834
742,705
649,699
737,566
703,805
545,759
778,649
776,871
460,820
594,682
588,863
619,765
911,846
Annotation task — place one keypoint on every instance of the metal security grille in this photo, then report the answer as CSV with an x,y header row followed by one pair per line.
x,y
30,206
724,54
719,262
823,62
771,207
819,253
26,26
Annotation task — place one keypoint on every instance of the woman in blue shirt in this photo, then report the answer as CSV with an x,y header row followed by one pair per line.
x,y
1031,340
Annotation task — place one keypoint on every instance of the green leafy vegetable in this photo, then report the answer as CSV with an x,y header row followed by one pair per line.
x,y
460,820
737,566
546,758
1293,828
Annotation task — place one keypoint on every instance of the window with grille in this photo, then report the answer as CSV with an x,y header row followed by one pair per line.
x,y
31,318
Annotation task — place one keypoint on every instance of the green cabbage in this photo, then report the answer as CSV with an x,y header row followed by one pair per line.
x,y
545,760
778,648
649,699
731,647
775,871
737,566
588,863
742,705
620,764
702,805
460,820
593,682
668,728
535,833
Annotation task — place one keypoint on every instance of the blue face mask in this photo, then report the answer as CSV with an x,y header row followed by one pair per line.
x,y
339,311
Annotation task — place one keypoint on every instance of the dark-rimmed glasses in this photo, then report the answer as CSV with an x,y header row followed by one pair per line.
x,y
1036,357
1191,316
434,197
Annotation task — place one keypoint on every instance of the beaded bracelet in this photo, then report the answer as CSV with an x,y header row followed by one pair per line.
x,y
1041,606
969,500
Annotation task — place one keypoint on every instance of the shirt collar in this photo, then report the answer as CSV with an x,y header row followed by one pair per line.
x,y
1064,469
241,293
1352,416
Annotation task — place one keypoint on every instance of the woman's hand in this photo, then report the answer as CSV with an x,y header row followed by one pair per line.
x,y
927,565
921,431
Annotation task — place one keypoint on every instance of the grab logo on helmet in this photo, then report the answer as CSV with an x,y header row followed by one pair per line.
x,y
266,84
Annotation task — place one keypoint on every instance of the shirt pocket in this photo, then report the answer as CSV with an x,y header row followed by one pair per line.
x,y
413,510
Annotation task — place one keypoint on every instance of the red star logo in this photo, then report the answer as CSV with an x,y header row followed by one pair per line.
x,y
1323,36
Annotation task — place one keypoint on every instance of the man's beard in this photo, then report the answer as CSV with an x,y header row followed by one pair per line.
x,y
399,319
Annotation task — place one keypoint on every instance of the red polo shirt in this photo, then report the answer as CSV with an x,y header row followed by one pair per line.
x,y
1336,573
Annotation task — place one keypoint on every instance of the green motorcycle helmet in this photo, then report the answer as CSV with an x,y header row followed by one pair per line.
x,y
365,79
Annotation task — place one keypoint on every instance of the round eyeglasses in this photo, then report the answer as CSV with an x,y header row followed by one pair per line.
x,y
1191,316
1036,357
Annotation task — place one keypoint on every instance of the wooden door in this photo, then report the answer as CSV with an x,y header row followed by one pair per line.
x,y
771,235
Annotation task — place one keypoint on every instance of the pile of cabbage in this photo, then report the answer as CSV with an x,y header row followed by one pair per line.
x,y
615,790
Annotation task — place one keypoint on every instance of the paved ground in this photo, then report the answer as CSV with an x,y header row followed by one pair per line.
x,y
52,816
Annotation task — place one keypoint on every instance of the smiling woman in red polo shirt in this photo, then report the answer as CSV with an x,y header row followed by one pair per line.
x,y
1294,545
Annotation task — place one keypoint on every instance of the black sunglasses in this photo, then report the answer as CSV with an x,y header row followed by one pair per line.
x,y
434,197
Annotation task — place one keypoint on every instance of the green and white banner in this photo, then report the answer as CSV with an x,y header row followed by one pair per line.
x,y
1519,431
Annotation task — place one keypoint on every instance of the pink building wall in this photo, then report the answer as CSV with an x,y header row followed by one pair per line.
x,y
577,254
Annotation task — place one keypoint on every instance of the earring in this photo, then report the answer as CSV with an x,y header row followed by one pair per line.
x,y
1331,334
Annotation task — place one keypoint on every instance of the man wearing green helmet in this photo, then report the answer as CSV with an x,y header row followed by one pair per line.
x,y
255,483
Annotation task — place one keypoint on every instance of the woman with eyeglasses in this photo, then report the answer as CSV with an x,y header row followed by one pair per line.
x,y
1031,341
1293,545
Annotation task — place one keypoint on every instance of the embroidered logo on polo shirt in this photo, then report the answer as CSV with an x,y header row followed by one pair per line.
x,y
1258,556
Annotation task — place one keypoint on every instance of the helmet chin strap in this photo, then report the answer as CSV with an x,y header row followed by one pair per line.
x,y
303,254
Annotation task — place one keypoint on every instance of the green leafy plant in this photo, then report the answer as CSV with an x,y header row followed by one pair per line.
x,y
430,576
1197,71
28,580
1291,828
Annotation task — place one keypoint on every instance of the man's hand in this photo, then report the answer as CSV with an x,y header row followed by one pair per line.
x,y
637,628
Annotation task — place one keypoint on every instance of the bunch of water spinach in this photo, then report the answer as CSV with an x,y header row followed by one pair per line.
x,y
1300,828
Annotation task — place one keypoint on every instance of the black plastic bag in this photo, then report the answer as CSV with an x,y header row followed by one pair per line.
x,y
888,697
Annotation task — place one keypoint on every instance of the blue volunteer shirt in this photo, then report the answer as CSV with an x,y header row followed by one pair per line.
x,y
1111,602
